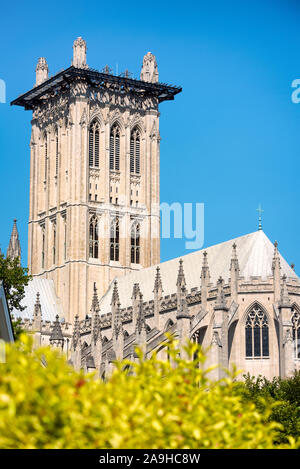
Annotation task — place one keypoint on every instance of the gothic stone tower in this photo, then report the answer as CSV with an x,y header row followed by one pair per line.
x,y
94,176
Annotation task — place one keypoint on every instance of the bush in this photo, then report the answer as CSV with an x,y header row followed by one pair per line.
x,y
282,396
44,403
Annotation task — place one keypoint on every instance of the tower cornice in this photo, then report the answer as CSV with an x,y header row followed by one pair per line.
x,y
98,80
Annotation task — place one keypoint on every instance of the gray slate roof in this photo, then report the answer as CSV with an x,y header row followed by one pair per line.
x,y
255,254
50,303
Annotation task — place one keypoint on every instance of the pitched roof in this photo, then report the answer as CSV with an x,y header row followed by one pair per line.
x,y
255,254
50,303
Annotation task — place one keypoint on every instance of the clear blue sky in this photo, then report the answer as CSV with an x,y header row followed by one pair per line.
x,y
229,140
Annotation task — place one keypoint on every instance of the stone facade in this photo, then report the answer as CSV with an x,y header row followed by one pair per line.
x,y
252,323
69,187
94,235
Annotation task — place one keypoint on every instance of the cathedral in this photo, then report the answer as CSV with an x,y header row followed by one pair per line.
x,y
98,289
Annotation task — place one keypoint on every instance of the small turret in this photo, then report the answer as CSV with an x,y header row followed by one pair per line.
x,y
41,71
14,247
149,70
57,338
79,53
205,279
234,273
276,273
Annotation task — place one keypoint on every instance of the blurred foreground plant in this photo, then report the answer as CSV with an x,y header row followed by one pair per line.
x,y
148,404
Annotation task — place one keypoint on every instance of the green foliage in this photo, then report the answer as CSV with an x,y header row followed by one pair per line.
x,y
44,403
17,328
15,278
283,396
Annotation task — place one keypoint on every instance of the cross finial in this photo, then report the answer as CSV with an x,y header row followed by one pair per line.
x,y
260,211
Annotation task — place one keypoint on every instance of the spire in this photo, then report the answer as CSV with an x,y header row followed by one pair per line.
x,y
234,273
149,70
115,300
220,300
41,71
205,279
56,337
234,264
95,302
37,313
141,319
181,283
276,258
14,247
284,296
158,283
276,272
76,333
79,53
205,275
96,329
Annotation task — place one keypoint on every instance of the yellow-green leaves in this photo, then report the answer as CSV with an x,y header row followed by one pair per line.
x,y
158,404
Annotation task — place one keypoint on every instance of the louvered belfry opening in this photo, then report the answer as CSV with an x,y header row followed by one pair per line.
x,y
135,243
94,145
114,240
135,151
114,148
56,152
94,238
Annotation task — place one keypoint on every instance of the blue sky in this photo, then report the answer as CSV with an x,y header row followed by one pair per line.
x,y
230,140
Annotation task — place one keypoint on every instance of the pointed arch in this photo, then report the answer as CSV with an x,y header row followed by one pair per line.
x,y
45,155
94,144
135,150
114,239
135,243
168,324
114,147
93,237
256,322
56,151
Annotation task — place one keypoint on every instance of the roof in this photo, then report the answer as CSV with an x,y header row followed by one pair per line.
x,y
99,80
255,255
50,303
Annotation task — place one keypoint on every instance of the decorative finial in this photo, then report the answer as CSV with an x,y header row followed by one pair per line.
x,y
79,53
157,282
149,70
260,211
181,278
41,71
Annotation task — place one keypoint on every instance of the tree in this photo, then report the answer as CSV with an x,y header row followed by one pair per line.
x,y
15,278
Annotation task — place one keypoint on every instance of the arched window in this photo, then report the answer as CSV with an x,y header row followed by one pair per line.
x,y
54,243
94,132
43,247
56,152
94,238
135,243
114,148
257,333
45,156
296,330
135,151
114,240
